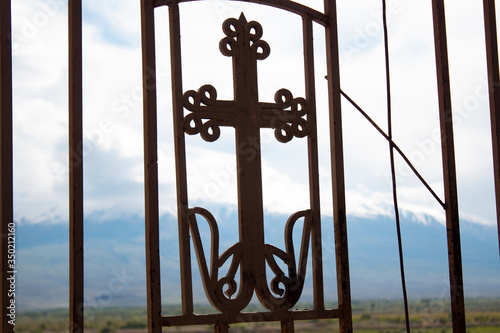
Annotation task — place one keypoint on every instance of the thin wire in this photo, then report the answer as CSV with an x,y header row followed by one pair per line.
x,y
395,146
393,172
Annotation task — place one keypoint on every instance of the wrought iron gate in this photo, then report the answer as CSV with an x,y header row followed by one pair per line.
x,y
201,112
290,118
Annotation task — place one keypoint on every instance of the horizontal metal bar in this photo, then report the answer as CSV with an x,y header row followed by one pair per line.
x,y
249,317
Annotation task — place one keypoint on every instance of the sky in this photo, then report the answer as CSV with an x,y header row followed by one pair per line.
x,y
113,101
113,142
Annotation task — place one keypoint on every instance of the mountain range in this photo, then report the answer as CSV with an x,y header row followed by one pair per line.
x,y
115,273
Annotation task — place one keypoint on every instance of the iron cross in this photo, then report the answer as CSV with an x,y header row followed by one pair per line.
x,y
247,115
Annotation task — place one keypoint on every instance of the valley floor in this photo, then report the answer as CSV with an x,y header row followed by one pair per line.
x,y
378,316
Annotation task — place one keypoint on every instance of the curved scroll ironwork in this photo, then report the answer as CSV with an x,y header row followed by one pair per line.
x,y
237,29
214,286
284,289
286,116
293,283
204,105
290,122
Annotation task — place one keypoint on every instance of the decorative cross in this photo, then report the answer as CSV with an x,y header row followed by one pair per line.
x,y
247,115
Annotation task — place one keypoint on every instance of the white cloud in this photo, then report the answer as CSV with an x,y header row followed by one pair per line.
x,y
113,107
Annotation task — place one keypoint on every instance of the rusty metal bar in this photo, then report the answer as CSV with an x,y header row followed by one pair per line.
x,y
180,160
6,187
337,161
151,168
221,328
490,27
287,326
317,256
449,172
75,127
248,317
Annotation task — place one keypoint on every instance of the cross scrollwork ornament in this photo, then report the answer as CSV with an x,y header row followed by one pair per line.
x,y
288,116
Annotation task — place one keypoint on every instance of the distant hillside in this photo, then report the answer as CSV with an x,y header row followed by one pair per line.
x,y
426,315
115,260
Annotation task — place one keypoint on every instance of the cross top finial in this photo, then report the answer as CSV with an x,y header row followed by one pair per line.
x,y
242,34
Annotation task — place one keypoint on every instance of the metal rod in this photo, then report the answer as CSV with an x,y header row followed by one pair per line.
x,y
151,168
221,328
246,317
490,27
314,188
393,168
337,164
6,187
287,326
75,128
396,147
180,160
449,172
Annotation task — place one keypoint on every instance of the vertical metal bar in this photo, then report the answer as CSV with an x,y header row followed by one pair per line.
x,y
287,326
449,172
337,157
180,160
221,328
490,27
6,187
75,167
151,168
317,256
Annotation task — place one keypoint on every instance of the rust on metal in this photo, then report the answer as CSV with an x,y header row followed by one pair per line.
x,y
248,317
449,170
312,142
150,169
75,167
337,165
490,27
180,161
291,6
6,186
201,113
221,328
287,326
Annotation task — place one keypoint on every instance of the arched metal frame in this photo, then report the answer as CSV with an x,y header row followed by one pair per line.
x,y
328,20
221,321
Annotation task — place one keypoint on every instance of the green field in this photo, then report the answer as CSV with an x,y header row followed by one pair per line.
x,y
378,316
